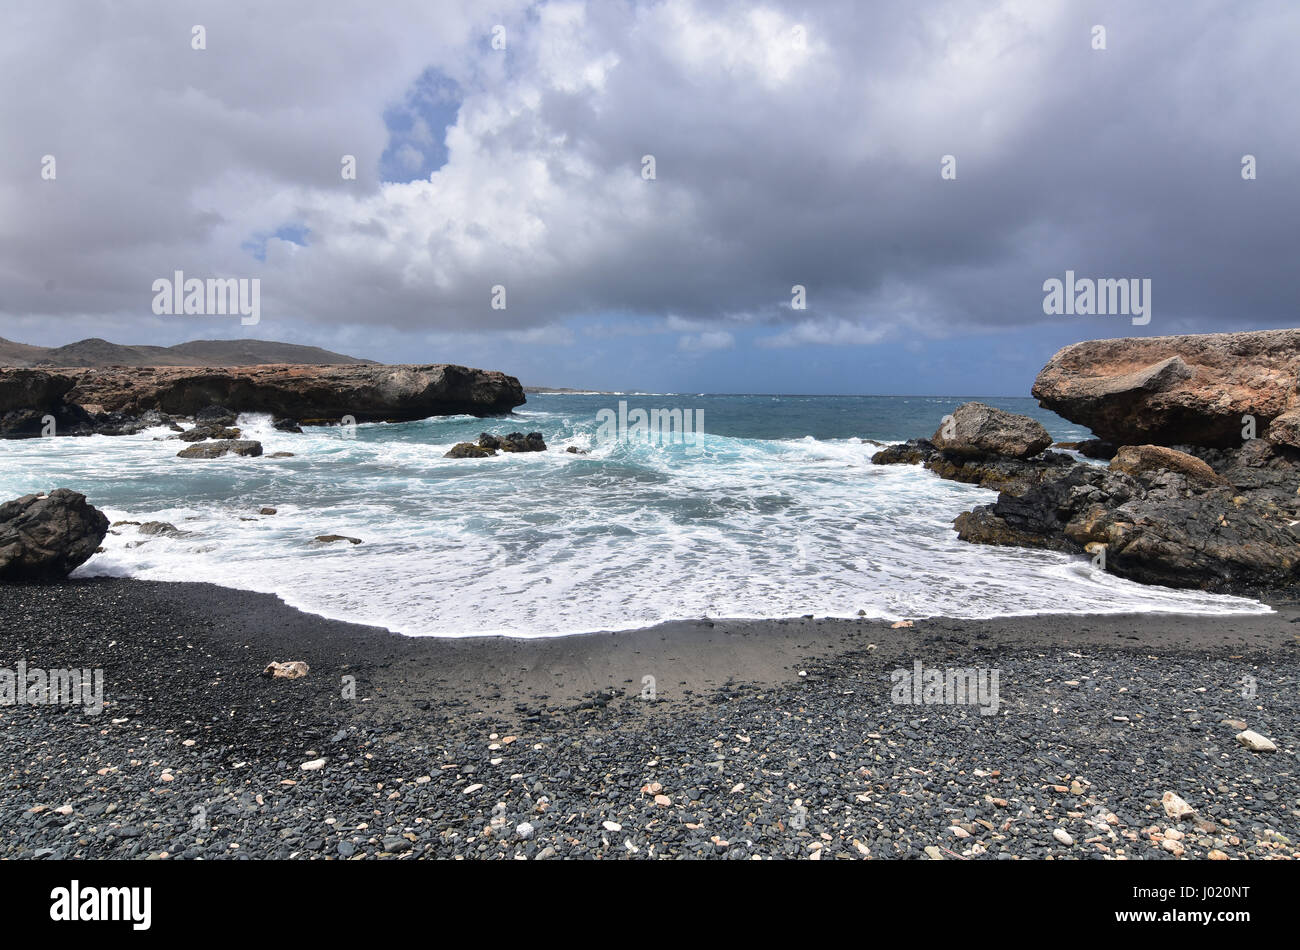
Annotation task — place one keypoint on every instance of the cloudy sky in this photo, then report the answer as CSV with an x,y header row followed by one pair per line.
x,y
793,144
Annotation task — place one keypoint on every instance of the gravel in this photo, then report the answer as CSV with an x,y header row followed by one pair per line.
x,y
196,756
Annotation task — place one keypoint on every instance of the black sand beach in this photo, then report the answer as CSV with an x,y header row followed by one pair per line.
x,y
765,739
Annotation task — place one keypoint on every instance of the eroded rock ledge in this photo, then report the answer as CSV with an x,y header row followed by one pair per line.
x,y
1172,390
111,400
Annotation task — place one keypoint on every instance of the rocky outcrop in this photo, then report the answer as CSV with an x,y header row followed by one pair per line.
x,y
1160,527
911,452
218,416
1217,519
1179,389
488,445
117,400
200,433
220,447
306,393
982,446
1139,460
1012,475
46,537
514,442
977,430
468,450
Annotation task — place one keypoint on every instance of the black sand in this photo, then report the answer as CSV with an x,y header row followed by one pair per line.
x,y
767,739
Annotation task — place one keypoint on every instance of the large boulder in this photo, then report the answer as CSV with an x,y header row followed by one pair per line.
x,y
1171,390
46,537
979,430
220,447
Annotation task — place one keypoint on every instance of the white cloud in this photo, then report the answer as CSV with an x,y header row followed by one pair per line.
x,y
778,162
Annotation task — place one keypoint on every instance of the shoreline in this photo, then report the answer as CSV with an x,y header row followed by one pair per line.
x,y
787,710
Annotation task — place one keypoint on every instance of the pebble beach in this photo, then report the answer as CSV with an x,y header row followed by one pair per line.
x,y
779,739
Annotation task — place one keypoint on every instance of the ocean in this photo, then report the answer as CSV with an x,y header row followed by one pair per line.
x,y
774,511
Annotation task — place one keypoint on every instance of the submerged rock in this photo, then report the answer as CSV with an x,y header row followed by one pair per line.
x,y
514,442
329,538
46,537
468,450
164,529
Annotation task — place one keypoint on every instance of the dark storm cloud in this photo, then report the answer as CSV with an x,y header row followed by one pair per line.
x,y
782,158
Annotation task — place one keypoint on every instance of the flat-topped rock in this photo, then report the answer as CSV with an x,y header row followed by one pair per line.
x,y
1171,390
365,393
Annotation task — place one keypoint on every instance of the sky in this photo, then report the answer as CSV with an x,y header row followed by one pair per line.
x,y
504,146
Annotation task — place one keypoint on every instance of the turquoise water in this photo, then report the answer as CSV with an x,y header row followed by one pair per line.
x,y
774,511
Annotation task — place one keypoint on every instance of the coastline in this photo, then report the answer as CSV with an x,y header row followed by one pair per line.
x,y
796,710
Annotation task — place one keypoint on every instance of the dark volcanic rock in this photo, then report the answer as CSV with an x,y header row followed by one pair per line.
x,y
911,452
212,450
32,423
468,450
979,430
1169,390
1140,460
1162,526
999,473
45,537
1011,475
514,442
33,389
163,529
122,400
327,393
215,416
286,425
202,432
1097,449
